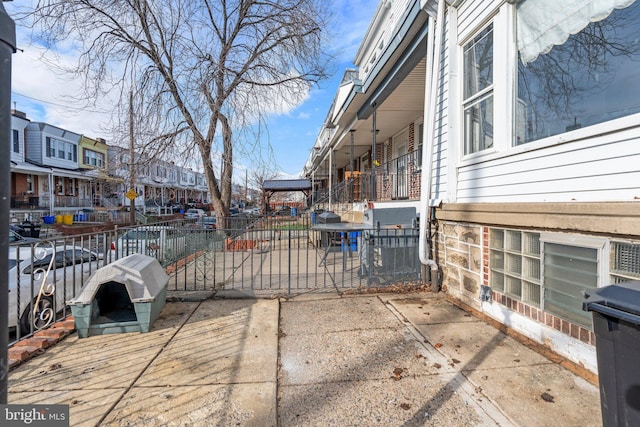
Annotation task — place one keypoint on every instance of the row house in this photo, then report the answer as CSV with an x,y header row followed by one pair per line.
x,y
46,173
158,183
55,171
514,128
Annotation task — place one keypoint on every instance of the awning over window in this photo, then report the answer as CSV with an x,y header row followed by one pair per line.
x,y
542,24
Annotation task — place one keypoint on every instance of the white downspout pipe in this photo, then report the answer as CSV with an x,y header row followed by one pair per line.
x,y
434,44
330,176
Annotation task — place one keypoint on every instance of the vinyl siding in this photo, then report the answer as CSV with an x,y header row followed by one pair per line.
x,y
601,168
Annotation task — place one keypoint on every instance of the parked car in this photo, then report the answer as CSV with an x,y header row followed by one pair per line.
x,y
283,211
53,282
21,240
208,222
162,242
194,213
252,211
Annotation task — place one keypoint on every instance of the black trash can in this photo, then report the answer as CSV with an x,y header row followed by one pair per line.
x,y
28,229
35,230
616,324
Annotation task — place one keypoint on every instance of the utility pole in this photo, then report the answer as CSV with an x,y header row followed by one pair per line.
x,y
132,179
246,183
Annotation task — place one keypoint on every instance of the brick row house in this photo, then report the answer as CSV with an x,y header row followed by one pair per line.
x,y
57,171
513,127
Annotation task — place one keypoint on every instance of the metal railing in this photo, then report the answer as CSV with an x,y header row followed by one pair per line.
x,y
397,179
257,255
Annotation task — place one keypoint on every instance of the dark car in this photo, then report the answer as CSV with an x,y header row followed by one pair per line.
x,y
283,211
19,239
208,222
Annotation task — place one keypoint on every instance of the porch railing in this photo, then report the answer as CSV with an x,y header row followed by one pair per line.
x,y
397,179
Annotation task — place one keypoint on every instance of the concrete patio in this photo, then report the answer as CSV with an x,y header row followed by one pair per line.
x,y
319,358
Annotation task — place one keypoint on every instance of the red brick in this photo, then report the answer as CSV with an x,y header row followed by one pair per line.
x,y
548,320
38,342
22,353
575,331
65,324
56,333
565,327
556,323
584,335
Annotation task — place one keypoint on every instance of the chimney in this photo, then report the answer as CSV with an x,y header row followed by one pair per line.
x,y
18,113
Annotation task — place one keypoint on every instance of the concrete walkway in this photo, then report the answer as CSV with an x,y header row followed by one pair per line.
x,y
317,359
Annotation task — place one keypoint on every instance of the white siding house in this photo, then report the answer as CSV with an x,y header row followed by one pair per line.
x,y
535,140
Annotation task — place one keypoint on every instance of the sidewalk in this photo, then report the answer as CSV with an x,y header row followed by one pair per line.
x,y
316,359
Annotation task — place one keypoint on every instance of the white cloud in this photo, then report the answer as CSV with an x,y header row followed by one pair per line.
x,y
47,95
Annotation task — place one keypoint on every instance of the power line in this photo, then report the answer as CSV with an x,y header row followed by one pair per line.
x,y
58,105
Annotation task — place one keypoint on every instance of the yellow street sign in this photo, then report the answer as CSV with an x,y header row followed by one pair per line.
x,y
131,194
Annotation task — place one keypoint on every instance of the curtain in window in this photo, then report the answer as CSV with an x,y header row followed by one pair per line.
x,y
542,24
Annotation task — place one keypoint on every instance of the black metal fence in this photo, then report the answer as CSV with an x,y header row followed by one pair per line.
x,y
252,255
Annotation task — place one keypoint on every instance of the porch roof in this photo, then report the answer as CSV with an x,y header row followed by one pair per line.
x,y
286,185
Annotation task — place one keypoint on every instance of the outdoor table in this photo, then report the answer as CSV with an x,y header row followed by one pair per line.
x,y
344,228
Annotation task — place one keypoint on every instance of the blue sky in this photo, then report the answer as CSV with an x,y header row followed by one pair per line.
x,y
40,92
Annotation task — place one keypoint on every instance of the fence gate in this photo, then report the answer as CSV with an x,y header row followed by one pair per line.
x,y
286,256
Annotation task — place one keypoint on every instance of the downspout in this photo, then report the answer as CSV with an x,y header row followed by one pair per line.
x,y
330,176
434,42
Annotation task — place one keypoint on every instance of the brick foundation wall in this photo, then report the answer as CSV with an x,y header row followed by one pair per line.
x,y
464,259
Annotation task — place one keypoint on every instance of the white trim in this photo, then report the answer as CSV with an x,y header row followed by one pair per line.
x,y
600,244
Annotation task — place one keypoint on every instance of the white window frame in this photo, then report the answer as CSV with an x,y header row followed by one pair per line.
x,y
505,97
504,73
15,141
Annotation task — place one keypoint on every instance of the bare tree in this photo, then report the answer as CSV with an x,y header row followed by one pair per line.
x,y
198,67
257,178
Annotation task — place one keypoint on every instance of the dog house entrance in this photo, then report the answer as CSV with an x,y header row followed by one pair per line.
x,y
114,304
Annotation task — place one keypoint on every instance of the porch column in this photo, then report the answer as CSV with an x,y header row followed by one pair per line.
x,y
351,166
374,133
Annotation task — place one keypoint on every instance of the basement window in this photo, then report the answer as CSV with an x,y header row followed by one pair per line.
x,y
624,262
571,265
514,262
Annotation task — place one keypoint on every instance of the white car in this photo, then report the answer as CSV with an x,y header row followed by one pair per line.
x,y
162,242
194,213
52,282
252,211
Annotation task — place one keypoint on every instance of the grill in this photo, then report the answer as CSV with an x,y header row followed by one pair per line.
x,y
328,218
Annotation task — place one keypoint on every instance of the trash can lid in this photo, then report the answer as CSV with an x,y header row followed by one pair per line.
x,y
622,296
